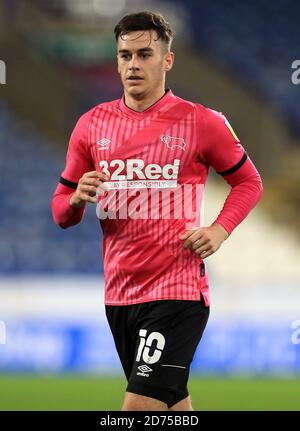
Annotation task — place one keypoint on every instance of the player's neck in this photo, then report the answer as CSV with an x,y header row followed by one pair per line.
x,y
140,105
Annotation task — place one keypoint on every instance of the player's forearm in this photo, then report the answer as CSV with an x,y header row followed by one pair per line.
x,y
63,213
245,193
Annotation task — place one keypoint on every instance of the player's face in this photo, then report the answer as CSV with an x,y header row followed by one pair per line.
x,y
142,63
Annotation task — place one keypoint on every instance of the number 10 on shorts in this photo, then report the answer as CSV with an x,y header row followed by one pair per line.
x,y
146,342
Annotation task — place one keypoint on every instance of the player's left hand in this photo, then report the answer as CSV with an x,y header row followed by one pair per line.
x,y
204,241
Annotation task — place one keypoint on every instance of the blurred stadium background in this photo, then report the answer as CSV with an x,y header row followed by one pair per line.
x,y
56,351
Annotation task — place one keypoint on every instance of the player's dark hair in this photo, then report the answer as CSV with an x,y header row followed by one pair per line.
x,y
145,20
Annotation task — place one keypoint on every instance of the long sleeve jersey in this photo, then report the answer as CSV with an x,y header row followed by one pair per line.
x,y
158,162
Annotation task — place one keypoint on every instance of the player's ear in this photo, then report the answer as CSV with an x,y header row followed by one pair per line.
x,y
169,61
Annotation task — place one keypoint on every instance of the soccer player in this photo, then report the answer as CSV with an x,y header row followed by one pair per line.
x,y
150,141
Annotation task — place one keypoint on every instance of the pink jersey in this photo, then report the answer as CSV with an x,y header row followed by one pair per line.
x,y
158,161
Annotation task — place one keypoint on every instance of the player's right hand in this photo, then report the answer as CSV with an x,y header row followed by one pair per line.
x,y
87,188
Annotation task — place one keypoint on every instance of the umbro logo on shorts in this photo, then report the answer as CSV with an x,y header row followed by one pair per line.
x,y
144,370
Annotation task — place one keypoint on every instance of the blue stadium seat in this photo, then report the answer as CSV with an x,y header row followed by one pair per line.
x,y
30,242
257,39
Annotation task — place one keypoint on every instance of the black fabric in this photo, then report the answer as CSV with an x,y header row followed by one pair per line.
x,y
235,167
68,183
175,328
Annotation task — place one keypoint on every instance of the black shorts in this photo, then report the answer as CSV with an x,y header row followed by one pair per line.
x,y
156,342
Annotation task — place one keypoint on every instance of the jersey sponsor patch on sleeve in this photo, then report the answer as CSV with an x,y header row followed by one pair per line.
x,y
231,129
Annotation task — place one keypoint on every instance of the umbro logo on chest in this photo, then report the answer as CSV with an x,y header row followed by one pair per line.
x,y
103,144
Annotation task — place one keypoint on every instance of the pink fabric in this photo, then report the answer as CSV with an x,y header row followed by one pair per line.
x,y
246,191
64,215
169,146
